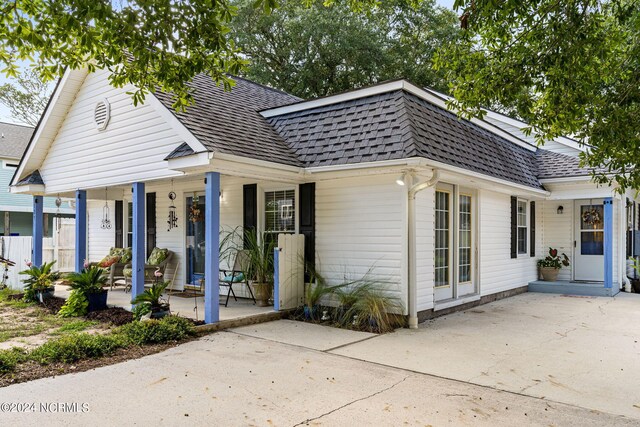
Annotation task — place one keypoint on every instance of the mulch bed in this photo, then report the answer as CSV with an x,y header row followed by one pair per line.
x,y
32,371
117,316
53,305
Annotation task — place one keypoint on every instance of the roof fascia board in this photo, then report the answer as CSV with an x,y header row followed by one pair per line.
x,y
42,124
487,178
169,116
567,179
34,189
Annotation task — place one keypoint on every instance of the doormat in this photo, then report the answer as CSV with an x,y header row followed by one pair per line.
x,y
185,294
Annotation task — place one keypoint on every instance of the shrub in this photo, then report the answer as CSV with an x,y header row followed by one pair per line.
x,y
75,347
76,305
10,358
170,328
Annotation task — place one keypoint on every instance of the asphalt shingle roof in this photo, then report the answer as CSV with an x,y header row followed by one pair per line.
x,y
14,140
229,122
556,165
396,125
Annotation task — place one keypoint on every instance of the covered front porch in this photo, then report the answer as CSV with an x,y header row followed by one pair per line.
x,y
593,228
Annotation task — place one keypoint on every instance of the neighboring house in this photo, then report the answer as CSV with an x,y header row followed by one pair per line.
x,y
384,179
16,218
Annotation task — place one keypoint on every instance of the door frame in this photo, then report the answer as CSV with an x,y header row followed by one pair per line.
x,y
469,289
576,229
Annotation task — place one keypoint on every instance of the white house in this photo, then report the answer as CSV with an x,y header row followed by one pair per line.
x,y
451,212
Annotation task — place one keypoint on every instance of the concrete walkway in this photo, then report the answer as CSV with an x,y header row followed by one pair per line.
x,y
534,359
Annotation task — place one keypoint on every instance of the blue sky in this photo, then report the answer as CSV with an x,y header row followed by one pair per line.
x,y
5,116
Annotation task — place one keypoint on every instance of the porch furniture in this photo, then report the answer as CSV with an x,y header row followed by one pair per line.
x,y
159,259
115,263
236,275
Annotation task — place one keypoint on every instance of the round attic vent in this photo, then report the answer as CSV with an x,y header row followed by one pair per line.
x,y
102,114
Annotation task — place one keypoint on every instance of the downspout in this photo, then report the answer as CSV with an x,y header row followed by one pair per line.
x,y
411,242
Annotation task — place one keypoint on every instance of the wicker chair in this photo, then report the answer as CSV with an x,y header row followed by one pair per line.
x,y
149,268
115,270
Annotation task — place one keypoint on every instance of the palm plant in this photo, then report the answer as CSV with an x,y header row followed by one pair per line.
x,y
39,279
90,280
153,296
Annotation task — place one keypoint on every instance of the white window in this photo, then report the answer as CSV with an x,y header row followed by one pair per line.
x,y
523,228
464,239
280,211
442,239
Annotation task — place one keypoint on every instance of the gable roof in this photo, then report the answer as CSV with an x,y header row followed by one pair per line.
x,y
229,122
396,125
14,140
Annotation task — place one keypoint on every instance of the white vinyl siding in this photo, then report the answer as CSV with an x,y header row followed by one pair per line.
x,y
425,237
131,148
99,240
360,229
498,271
557,231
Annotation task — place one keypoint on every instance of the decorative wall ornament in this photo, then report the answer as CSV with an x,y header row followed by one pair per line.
x,y
173,217
106,220
591,216
195,213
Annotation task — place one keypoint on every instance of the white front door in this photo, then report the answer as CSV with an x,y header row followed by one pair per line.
x,y
588,257
454,243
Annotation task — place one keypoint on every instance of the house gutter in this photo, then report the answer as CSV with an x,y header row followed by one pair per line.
x,y
411,243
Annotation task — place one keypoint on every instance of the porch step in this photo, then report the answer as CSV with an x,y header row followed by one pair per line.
x,y
572,288
242,321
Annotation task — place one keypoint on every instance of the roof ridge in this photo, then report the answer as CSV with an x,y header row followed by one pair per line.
x,y
264,86
410,149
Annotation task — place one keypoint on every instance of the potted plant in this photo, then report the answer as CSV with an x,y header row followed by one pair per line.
x,y
259,251
551,264
38,286
151,301
88,292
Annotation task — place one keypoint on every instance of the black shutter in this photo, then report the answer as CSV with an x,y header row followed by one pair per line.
x,y
151,222
514,227
532,228
119,221
249,209
307,194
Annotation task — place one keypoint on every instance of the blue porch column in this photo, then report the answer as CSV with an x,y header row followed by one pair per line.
x,y
608,242
81,229
38,227
138,235
212,248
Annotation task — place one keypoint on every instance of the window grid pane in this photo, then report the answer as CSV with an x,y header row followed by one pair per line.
x,y
442,239
279,210
464,240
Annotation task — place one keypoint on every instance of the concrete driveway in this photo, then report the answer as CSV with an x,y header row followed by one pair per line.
x,y
508,363
583,351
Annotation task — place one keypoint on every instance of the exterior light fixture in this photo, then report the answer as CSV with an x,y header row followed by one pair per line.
x,y
560,210
400,180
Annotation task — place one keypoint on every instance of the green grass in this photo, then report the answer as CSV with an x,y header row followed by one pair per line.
x,y
74,326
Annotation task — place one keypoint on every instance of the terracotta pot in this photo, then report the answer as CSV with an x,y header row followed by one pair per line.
x,y
262,292
549,274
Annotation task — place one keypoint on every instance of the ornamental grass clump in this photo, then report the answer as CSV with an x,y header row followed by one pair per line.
x,y
366,305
